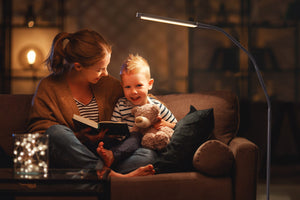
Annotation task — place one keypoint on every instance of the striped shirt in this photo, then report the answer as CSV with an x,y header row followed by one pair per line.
x,y
89,110
122,111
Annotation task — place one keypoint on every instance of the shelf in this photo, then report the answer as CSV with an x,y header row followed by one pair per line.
x,y
274,45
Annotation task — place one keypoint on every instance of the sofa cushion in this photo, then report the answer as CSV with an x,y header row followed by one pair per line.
x,y
189,133
174,186
213,158
224,103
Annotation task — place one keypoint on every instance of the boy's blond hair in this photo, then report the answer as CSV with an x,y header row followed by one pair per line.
x,y
135,64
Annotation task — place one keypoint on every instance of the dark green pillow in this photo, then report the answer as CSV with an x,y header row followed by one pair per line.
x,y
189,133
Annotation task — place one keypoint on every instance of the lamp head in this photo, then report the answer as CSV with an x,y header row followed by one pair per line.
x,y
167,20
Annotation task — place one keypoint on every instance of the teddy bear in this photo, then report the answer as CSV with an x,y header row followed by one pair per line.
x,y
145,116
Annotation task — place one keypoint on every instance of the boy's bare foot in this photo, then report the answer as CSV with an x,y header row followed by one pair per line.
x,y
105,154
142,171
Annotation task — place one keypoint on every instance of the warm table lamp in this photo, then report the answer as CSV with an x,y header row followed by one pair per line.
x,y
31,56
191,24
31,59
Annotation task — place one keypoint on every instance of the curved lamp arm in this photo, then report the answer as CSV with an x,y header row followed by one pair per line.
x,y
191,24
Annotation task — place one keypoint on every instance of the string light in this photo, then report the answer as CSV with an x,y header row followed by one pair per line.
x,y
30,153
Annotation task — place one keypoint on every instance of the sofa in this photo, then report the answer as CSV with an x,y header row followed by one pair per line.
x,y
225,166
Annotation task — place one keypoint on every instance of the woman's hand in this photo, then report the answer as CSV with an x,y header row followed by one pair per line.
x,y
97,137
84,134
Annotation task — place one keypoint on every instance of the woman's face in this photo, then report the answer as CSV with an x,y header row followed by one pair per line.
x,y
94,72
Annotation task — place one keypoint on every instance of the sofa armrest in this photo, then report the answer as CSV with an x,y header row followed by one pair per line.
x,y
245,167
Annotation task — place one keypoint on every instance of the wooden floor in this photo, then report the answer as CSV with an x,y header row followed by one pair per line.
x,y
285,183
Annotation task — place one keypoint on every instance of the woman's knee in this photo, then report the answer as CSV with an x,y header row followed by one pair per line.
x,y
59,131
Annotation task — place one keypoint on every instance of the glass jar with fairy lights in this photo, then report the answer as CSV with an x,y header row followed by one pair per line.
x,y
30,153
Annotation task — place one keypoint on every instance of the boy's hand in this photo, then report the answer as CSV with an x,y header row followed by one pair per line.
x,y
161,122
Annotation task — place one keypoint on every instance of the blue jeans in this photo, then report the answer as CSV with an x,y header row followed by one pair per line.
x,y
139,158
66,151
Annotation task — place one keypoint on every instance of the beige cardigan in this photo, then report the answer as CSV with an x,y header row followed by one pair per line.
x,y
53,102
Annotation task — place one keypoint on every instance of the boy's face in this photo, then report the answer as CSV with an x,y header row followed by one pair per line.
x,y
136,87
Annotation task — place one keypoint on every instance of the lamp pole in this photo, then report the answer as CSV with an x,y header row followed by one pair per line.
x,y
191,24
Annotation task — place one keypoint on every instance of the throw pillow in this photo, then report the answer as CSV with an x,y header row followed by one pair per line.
x,y
189,133
214,158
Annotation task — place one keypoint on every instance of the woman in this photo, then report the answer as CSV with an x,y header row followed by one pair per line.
x,y
79,84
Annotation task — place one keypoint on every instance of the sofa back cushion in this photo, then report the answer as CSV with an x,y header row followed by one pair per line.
x,y
14,110
225,105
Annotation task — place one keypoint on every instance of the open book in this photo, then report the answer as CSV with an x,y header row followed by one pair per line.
x,y
119,129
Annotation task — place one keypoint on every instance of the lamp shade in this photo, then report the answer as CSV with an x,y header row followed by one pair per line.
x,y
31,57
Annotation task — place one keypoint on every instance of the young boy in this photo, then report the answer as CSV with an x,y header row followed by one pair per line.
x,y
136,82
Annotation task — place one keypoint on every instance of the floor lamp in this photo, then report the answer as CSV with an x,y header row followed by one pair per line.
x,y
191,24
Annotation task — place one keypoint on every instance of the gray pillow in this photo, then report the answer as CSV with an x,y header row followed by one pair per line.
x,y
189,133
